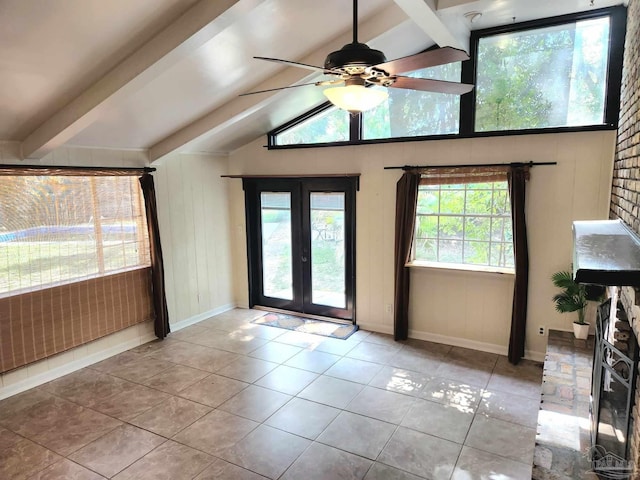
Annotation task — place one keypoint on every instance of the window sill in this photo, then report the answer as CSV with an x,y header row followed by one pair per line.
x,y
461,267
70,281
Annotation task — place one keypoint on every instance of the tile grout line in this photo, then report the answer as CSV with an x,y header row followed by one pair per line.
x,y
247,354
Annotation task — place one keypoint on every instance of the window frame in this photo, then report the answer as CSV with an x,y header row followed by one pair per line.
x,y
414,262
617,33
617,29
142,243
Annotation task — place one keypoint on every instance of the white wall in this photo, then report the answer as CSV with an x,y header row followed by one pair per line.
x,y
464,308
201,219
193,214
194,227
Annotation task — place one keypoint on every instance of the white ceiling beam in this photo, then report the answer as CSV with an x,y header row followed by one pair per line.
x,y
224,117
423,13
192,29
242,107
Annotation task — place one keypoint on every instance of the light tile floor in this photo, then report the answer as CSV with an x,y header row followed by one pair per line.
x,y
227,399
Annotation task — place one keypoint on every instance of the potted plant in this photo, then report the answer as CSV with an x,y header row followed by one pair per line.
x,y
572,298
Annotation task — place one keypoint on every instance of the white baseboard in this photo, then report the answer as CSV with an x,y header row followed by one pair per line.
x,y
473,345
375,327
458,342
454,341
535,356
200,317
72,366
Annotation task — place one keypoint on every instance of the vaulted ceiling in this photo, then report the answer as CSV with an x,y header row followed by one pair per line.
x,y
165,75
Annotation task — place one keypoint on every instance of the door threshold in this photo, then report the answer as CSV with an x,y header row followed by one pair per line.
x,y
305,315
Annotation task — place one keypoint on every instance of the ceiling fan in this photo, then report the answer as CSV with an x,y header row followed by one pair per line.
x,y
357,66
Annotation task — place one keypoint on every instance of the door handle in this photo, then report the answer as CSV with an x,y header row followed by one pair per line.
x,y
304,259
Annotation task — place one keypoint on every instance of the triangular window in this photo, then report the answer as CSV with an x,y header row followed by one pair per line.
x,y
330,125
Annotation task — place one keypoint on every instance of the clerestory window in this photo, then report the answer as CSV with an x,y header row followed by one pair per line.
x,y
412,113
547,77
328,126
552,75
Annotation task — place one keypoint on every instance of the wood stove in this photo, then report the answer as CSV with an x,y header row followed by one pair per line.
x,y
607,253
615,363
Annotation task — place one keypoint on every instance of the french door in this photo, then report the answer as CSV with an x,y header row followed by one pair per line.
x,y
301,237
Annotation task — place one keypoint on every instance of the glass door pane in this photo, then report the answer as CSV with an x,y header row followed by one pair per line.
x,y
327,248
301,244
275,217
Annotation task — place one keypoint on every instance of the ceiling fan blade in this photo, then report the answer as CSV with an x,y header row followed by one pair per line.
x,y
430,85
430,58
294,64
280,88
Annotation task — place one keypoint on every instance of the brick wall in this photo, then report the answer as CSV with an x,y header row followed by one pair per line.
x,y
625,193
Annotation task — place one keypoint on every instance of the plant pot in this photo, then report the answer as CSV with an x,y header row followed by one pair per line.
x,y
581,330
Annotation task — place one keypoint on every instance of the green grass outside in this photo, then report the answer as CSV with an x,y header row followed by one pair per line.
x,y
32,264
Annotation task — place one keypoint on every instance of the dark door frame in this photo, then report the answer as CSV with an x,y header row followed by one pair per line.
x,y
300,188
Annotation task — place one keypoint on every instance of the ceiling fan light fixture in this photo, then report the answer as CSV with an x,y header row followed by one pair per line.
x,y
355,97
356,64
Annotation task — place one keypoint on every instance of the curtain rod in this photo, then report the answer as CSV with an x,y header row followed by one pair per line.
x,y
306,175
71,167
516,164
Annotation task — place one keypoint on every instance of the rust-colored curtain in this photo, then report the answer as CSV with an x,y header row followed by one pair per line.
x,y
406,205
517,178
161,323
